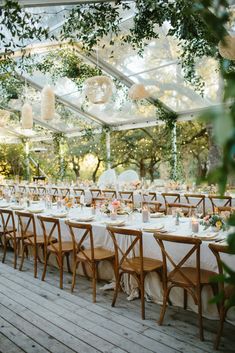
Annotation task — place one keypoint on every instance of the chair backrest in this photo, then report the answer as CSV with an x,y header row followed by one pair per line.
x,y
12,188
126,196
22,188
26,225
134,246
185,208
197,200
217,250
109,194
64,192
95,193
168,258
149,196
220,201
78,192
84,232
8,221
41,190
51,230
170,197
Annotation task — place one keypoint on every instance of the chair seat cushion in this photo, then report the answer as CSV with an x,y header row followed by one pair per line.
x,y
67,246
133,264
99,254
191,274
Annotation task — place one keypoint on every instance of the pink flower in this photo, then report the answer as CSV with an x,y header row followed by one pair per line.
x,y
116,203
206,218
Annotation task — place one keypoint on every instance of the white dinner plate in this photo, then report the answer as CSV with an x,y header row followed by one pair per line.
x,y
83,219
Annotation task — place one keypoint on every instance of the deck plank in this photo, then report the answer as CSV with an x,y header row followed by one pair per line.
x,y
120,328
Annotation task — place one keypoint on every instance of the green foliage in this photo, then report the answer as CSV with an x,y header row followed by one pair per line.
x,y
65,63
17,25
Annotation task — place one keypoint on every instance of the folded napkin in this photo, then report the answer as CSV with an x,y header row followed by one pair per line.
x,y
17,207
206,236
157,215
35,210
83,219
115,223
4,205
59,215
153,228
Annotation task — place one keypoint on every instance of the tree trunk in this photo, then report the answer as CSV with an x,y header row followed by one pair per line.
x,y
142,169
214,156
76,168
96,170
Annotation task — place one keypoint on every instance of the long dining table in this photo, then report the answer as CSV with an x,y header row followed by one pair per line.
x,y
153,286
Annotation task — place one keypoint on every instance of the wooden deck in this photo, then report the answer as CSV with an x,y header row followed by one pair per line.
x,y
37,316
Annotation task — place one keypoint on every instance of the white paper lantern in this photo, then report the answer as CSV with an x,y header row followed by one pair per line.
x,y
47,103
27,116
98,89
4,116
138,91
227,47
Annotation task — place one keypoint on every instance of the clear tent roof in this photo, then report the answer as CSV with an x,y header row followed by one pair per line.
x,y
158,69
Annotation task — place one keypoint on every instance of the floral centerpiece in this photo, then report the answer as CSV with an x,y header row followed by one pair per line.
x,y
136,184
113,206
215,221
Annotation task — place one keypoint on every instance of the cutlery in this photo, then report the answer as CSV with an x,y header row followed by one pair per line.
x,y
220,240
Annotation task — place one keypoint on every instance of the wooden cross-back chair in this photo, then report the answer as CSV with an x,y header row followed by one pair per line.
x,y
85,252
174,202
29,238
52,232
9,234
22,189
96,196
109,194
78,193
132,261
54,193
227,291
34,192
150,199
127,197
218,201
41,190
64,192
197,200
12,189
190,279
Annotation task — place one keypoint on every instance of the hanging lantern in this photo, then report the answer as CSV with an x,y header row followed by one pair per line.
x,y
47,103
4,116
98,89
27,116
227,47
138,91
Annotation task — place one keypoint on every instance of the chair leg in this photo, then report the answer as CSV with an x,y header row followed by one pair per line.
x,y
68,263
220,329
45,265
16,248
22,257
74,274
61,261
185,299
35,260
4,249
94,278
115,294
200,315
164,305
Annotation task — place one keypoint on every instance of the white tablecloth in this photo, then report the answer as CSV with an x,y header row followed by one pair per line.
x,y
153,287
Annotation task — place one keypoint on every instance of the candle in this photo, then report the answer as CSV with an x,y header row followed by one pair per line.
x,y
145,214
113,215
195,226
